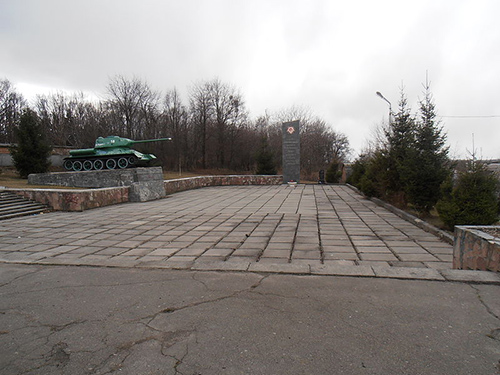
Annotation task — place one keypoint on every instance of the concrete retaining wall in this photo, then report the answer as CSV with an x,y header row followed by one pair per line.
x,y
145,183
474,249
182,184
80,200
97,179
76,200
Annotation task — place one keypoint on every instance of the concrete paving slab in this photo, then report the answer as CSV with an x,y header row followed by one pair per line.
x,y
408,273
342,270
318,224
288,268
221,266
471,276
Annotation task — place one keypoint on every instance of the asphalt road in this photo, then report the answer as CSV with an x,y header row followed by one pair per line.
x,y
97,320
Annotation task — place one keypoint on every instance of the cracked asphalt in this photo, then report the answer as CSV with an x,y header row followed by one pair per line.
x,y
96,320
240,280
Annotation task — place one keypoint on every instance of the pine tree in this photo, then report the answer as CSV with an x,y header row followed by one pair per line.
x,y
265,159
32,151
428,160
474,199
333,174
400,137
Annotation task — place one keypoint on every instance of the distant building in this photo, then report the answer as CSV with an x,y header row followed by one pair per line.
x,y
58,154
494,165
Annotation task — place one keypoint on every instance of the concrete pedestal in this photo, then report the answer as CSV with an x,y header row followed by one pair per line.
x,y
144,184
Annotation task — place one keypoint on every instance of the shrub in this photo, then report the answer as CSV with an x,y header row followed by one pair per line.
x,y
358,170
32,151
474,199
333,173
265,159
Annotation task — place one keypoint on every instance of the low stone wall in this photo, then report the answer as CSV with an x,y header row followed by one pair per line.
x,y
144,190
145,183
475,249
182,184
76,200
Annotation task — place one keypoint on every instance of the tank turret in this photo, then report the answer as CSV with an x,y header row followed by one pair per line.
x,y
110,153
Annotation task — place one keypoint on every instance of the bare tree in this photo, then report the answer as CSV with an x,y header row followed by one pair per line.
x,y
11,105
228,110
134,105
175,119
201,112
72,120
213,131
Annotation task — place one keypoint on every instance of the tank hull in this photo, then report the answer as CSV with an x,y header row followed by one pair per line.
x,y
110,153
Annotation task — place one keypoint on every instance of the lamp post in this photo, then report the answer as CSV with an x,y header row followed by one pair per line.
x,y
379,94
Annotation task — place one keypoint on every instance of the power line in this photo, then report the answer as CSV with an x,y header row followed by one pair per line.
x,y
487,116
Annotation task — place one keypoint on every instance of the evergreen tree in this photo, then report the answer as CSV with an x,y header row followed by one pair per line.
x,y
474,199
428,164
400,137
32,151
265,159
358,170
333,174
376,181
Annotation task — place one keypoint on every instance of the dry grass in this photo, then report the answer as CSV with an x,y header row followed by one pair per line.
x,y
170,175
433,218
9,178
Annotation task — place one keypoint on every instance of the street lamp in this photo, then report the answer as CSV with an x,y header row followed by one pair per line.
x,y
379,94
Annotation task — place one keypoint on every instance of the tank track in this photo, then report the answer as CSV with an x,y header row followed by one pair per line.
x,y
100,162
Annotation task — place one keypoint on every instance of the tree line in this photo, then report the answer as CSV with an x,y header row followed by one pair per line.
x,y
212,130
407,164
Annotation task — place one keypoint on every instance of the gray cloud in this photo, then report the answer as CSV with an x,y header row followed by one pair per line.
x,y
330,56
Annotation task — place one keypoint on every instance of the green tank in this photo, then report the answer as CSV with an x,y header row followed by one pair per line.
x,y
110,153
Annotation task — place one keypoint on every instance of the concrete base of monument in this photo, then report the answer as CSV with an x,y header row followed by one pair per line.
x,y
145,184
477,248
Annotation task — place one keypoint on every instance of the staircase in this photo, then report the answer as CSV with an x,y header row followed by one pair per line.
x,y
12,205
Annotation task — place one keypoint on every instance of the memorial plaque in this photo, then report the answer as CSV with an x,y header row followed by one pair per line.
x,y
291,152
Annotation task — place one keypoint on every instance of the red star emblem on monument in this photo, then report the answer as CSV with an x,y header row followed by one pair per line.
x,y
290,130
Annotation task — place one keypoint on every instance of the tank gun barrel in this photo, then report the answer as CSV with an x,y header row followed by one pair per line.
x,y
151,140
114,141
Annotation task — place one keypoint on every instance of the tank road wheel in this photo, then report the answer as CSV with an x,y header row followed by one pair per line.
x,y
132,160
77,165
87,165
123,163
68,165
98,164
111,163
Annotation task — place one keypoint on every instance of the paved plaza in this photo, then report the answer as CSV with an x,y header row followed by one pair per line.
x,y
148,295
258,228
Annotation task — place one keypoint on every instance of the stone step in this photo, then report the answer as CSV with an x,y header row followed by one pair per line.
x,y
9,198
13,205
21,213
23,206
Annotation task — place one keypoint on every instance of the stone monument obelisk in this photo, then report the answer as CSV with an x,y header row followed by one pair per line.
x,y
291,151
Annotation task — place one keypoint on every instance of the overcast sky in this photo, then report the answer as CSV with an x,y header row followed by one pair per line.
x,y
329,56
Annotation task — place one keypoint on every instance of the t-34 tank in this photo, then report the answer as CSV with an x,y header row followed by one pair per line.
x,y
110,153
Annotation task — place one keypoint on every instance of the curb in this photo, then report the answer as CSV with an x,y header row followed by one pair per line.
x,y
378,272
